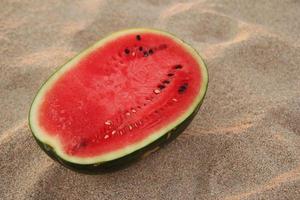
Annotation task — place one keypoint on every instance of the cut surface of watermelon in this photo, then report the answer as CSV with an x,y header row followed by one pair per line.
x,y
120,95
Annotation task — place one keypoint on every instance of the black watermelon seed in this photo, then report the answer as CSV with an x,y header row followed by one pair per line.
x,y
150,51
182,88
141,48
127,51
138,37
170,74
166,81
145,54
160,86
177,66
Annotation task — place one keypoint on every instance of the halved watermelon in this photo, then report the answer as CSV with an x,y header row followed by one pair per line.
x,y
118,100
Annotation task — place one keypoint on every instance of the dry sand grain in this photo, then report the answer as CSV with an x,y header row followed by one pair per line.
x,y
245,142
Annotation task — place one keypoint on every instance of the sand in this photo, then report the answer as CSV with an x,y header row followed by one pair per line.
x,y
244,143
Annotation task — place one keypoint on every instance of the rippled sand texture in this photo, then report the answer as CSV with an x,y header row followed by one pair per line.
x,y
245,142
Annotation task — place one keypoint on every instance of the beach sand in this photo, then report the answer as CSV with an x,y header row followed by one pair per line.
x,y
243,144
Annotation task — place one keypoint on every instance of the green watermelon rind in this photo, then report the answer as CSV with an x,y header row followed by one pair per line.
x,y
52,146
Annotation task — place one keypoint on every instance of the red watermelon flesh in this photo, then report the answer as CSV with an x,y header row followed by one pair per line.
x,y
119,93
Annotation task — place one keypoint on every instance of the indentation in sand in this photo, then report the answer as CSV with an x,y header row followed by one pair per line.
x,y
91,6
216,50
72,27
243,33
288,118
175,9
290,176
234,129
45,56
9,133
192,20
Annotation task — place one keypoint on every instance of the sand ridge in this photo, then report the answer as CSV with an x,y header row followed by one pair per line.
x,y
244,143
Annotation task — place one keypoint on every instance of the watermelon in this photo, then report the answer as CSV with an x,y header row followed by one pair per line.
x,y
119,100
